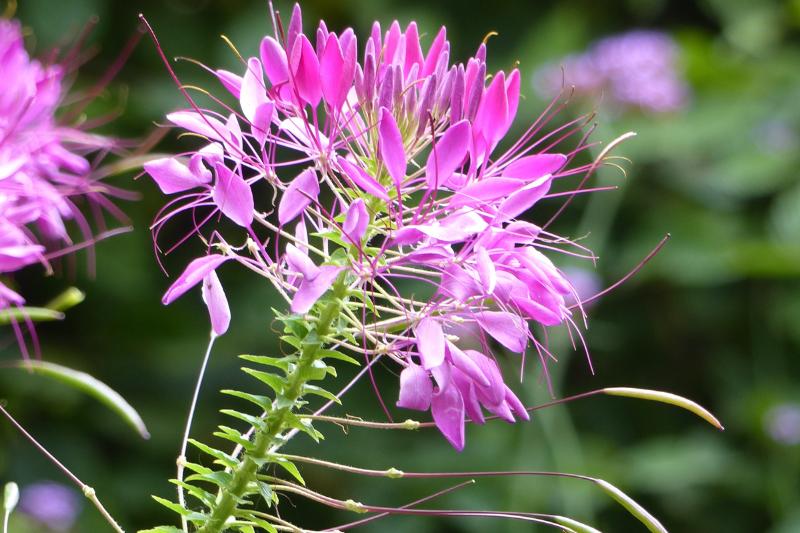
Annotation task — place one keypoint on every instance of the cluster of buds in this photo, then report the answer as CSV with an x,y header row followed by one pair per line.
x,y
44,171
386,175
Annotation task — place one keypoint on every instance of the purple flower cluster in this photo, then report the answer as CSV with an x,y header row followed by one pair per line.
x,y
636,69
394,175
44,171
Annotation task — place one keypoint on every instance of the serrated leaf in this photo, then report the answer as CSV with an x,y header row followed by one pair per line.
x,y
274,382
225,459
261,401
290,467
319,391
333,354
190,515
91,386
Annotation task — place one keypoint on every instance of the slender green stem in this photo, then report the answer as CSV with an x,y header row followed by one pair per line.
x,y
267,440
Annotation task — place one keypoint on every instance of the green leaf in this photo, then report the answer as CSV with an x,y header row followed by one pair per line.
x,y
254,421
225,459
261,401
91,386
277,362
37,314
289,467
319,391
271,380
190,515
333,354
162,529
204,497
220,479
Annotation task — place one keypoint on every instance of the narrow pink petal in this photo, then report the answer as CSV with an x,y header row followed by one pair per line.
x,y
485,192
413,48
447,408
448,154
416,388
192,275
217,303
253,93
201,124
363,180
336,69
486,270
311,291
356,220
232,82
516,405
523,199
533,167
508,329
512,97
466,387
172,176
464,363
273,57
305,69
492,113
430,342
233,196
433,53
262,121
391,147
300,262
301,192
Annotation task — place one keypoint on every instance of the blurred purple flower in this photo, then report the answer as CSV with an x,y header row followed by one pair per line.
x,y
586,283
634,69
783,423
50,503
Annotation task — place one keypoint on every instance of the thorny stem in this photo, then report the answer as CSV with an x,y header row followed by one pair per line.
x,y
88,491
181,460
268,439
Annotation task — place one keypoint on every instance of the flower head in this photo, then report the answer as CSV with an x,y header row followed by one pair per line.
x,y
385,169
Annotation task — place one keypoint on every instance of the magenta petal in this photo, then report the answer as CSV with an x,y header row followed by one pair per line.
x,y
534,167
301,192
273,57
305,68
484,192
300,262
363,180
253,93
430,342
465,364
310,291
336,70
356,221
172,176
262,121
217,303
433,53
194,273
416,388
233,196
508,329
516,406
512,98
492,113
448,154
232,82
486,270
391,147
199,123
447,408
523,199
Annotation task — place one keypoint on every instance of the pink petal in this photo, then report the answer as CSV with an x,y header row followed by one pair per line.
x,y
199,123
512,97
430,342
516,406
467,389
253,93
485,192
232,82
486,270
301,192
413,49
508,329
217,303
447,408
310,291
233,196
172,176
363,180
433,53
448,154
391,147
273,57
492,113
262,120
416,388
534,167
356,221
192,275
300,262
305,69
523,199
336,69
465,364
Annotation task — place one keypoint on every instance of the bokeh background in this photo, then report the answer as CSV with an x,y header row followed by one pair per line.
x,y
715,317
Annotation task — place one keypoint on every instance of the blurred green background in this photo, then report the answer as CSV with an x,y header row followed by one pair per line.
x,y
715,317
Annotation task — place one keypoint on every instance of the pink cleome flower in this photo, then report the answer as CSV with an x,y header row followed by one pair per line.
x,y
385,169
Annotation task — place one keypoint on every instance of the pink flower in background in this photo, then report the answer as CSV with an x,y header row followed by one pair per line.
x,y
637,69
